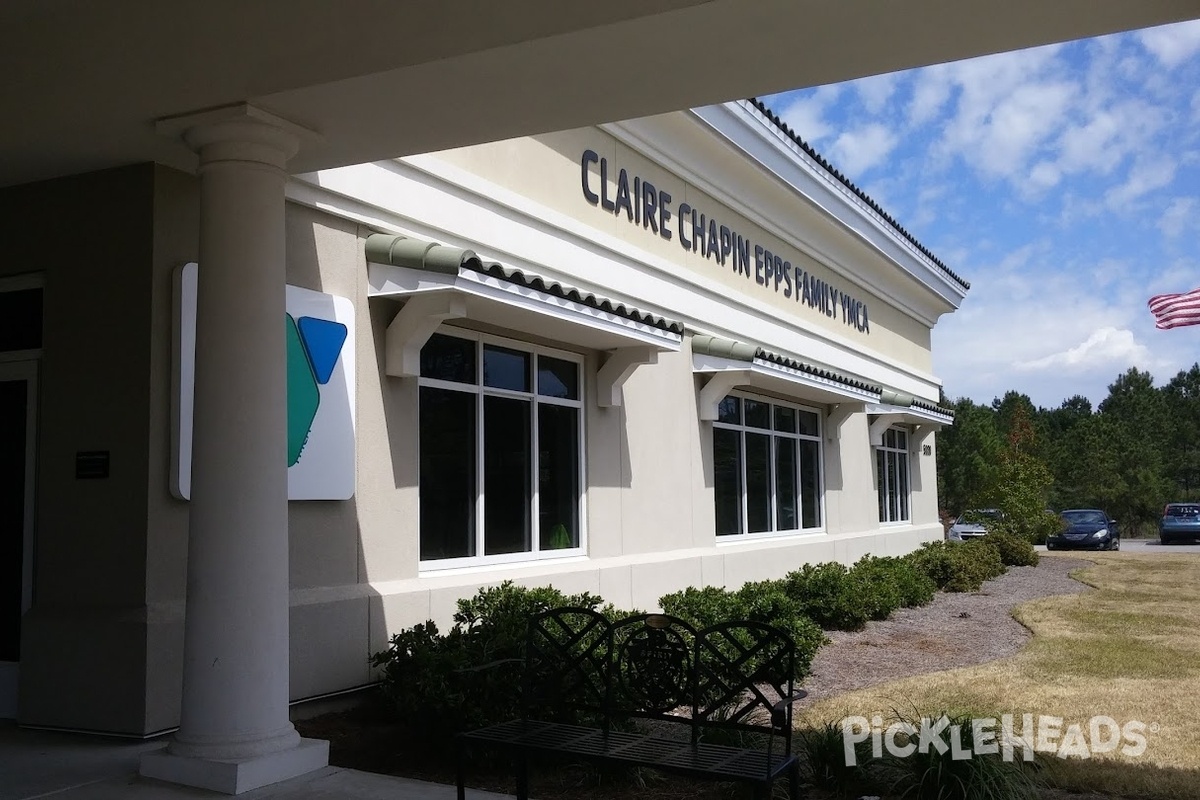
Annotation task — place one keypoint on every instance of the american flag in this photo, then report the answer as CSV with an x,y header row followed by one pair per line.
x,y
1176,310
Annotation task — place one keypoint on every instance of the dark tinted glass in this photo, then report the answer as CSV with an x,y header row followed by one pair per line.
x,y
730,410
758,414
21,320
810,485
727,480
558,378
558,477
448,358
785,419
758,483
882,484
507,525
447,457
785,484
808,423
506,369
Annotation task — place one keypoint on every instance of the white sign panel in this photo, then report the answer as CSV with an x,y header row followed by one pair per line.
x,y
320,407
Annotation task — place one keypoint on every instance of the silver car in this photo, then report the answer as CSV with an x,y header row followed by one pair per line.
x,y
974,523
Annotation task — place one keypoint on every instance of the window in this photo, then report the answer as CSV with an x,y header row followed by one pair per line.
x,y
891,466
766,467
500,450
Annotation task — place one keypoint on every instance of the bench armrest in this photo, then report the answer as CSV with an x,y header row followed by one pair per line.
x,y
779,711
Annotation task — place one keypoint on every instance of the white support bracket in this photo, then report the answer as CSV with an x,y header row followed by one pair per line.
x,y
617,368
412,327
919,434
880,424
717,387
838,414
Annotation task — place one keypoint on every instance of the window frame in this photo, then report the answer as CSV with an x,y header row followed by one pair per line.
x,y
904,458
479,390
742,428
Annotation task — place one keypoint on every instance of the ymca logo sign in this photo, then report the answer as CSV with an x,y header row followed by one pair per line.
x,y
320,391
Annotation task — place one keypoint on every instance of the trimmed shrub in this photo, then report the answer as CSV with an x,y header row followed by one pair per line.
x,y
1015,551
887,583
827,594
465,678
958,566
764,601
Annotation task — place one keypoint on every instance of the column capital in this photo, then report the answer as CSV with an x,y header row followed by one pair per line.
x,y
238,132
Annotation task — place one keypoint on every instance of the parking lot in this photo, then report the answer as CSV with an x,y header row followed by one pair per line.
x,y
1148,546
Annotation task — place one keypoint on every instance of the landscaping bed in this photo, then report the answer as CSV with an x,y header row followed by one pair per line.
x,y
954,630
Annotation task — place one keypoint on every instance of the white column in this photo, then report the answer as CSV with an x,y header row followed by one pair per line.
x,y
235,734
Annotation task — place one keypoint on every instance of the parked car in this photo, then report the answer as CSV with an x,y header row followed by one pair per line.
x,y
973,524
1085,529
1180,522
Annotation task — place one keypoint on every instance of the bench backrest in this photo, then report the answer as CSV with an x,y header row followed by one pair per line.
x,y
657,666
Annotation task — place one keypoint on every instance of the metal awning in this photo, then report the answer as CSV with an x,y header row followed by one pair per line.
x,y
731,363
440,283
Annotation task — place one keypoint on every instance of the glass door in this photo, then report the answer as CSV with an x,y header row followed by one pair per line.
x,y
18,404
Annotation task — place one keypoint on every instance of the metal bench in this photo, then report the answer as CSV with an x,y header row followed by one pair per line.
x,y
652,691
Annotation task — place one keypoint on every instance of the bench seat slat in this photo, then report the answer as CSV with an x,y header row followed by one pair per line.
x,y
655,751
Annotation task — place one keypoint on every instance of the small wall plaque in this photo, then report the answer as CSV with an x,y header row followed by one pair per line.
x,y
91,464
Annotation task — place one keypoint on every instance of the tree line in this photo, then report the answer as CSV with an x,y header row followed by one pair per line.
x,y
1135,452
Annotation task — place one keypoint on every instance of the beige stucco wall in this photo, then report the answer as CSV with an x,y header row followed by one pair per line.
x,y
649,503
547,170
103,643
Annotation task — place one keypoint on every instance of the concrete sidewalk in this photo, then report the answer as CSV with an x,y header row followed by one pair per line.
x,y
65,766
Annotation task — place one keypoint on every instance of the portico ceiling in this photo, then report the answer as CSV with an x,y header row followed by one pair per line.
x,y
84,81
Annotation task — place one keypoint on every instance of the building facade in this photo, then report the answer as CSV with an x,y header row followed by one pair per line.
x,y
626,359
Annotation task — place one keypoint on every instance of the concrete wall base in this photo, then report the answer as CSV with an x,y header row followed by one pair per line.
x,y
234,776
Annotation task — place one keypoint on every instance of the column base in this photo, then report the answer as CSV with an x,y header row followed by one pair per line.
x,y
234,776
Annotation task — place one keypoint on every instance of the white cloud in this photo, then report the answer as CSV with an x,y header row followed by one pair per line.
x,y
1045,175
1108,349
1145,176
806,113
857,151
1180,215
931,90
1172,44
874,92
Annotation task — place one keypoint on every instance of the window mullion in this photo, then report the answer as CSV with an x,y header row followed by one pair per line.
x,y
771,478
480,438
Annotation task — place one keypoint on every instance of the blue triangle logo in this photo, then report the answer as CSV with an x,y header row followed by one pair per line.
x,y
323,340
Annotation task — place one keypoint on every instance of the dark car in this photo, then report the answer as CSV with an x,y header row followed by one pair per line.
x,y
1180,523
1085,529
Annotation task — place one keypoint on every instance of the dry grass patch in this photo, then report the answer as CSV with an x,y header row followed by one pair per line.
x,y
1129,650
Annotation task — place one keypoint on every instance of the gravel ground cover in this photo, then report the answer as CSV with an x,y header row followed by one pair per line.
x,y
955,630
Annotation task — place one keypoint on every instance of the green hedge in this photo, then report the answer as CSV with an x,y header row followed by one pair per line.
x,y
461,679
1015,551
764,601
887,583
470,676
958,566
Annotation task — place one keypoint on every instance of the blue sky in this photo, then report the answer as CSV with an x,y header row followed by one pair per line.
x,y
1063,182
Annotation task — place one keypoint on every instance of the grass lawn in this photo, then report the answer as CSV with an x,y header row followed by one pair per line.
x,y
1129,650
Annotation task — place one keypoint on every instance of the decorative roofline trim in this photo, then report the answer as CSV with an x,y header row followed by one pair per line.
x,y
769,116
